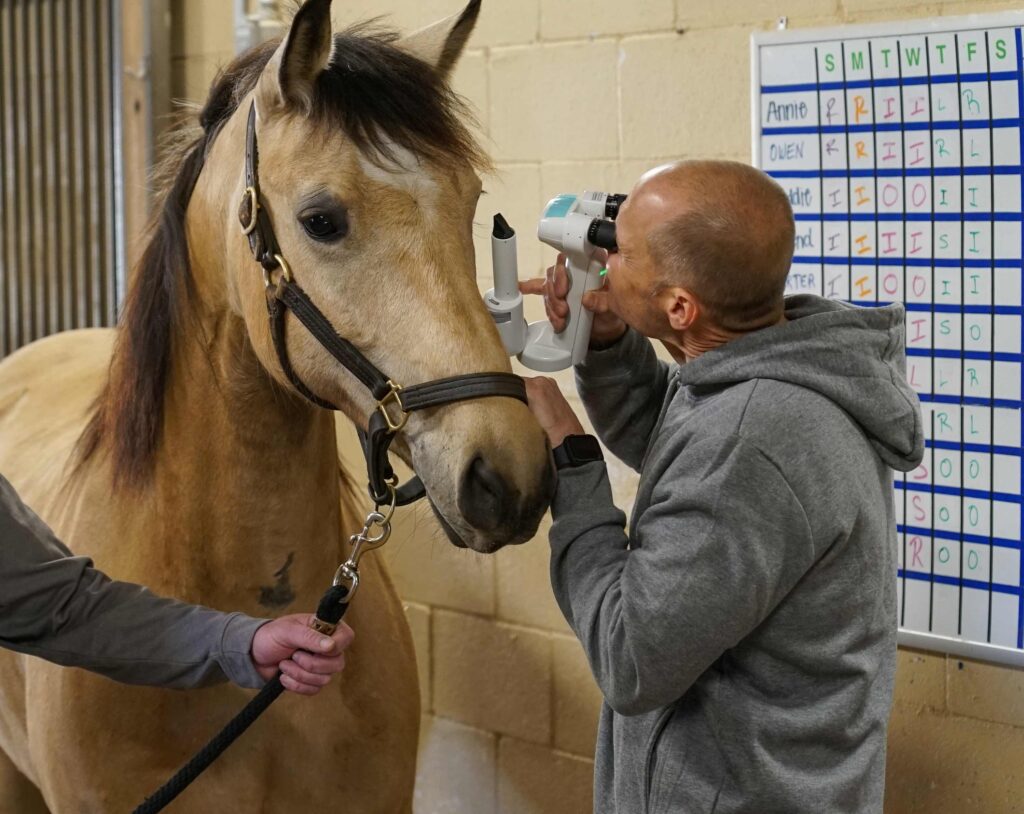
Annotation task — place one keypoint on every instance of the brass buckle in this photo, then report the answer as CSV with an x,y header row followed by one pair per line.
x,y
254,208
395,397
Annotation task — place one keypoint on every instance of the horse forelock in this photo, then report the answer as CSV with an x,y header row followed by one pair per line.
x,y
388,103
382,97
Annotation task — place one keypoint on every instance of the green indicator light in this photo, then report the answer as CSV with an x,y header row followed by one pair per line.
x,y
603,272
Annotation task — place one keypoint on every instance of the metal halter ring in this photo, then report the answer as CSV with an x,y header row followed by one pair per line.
x,y
286,273
392,486
286,270
394,396
254,207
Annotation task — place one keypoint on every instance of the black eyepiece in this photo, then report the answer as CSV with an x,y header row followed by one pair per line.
x,y
502,230
602,234
611,206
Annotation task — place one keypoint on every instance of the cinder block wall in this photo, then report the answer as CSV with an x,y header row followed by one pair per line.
x,y
573,94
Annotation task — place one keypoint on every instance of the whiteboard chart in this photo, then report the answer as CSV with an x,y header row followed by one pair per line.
x,y
900,147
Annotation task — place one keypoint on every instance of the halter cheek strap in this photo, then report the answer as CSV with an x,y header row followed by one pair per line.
x,y
394,402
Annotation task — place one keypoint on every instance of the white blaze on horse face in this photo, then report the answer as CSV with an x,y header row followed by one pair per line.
x,y
404,172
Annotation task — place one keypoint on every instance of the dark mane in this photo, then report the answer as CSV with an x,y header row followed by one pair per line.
x,y
376,94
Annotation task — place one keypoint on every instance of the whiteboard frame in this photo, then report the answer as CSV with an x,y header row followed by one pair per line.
x,y
1007,19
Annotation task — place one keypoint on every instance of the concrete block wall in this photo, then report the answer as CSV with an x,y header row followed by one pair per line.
x,y
202,40
572,94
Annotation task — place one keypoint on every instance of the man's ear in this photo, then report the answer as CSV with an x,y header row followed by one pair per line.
x,y
289,79
681,307
441,44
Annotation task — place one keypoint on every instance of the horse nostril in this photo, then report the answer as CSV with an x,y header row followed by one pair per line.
x,y
485,499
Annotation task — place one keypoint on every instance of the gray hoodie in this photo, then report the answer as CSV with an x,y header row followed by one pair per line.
x,y
59,607
744,633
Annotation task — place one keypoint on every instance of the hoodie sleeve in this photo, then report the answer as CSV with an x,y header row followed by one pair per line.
x,y
622,388
57,606
724,540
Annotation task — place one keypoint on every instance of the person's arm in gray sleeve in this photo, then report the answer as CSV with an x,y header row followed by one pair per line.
x,y
57,606
622,388
725,539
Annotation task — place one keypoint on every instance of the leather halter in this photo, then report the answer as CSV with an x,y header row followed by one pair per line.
x,y
394,402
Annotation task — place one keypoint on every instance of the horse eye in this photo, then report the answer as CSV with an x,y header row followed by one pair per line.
x,y
323,227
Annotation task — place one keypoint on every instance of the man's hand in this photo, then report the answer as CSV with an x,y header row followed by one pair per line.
x,y
306,658
554,286
551,409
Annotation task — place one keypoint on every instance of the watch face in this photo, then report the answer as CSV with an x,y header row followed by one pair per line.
x,y
583,448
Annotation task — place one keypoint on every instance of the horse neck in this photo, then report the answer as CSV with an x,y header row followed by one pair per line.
x,y
247,476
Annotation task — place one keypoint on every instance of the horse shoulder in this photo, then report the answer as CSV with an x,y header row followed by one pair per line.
x,y
46,391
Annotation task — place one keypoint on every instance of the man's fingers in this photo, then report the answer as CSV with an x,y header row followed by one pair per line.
x,y
542,390
557,320
560,278
322,665
554,287
303,637
537,384
292,685
293,670
343,636
560,308
557,279
534,286
597,301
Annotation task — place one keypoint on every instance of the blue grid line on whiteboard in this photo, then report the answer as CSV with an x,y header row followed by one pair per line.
x,y
908,187
928,262
938,307
939,489
971,538
890,128
966,583
927,172
1010,217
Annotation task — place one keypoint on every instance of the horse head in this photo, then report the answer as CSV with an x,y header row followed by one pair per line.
x,y
369,177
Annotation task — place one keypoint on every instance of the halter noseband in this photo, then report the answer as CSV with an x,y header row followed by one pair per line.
x,y
394,402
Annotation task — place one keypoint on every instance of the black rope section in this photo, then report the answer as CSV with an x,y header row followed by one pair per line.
x,y
331,608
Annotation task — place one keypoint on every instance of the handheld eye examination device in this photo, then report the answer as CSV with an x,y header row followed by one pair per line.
x,y
577,226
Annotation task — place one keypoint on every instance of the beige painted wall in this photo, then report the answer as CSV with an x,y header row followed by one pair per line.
x,y
572,94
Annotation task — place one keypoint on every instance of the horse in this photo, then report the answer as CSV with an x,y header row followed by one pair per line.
x,y
176,451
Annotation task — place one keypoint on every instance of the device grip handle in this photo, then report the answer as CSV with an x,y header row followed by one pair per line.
x,y
581,281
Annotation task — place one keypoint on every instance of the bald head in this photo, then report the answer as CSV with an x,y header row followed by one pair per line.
x,y
724,230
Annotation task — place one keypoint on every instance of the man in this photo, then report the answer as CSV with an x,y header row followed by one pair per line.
x,y
59,607
744,633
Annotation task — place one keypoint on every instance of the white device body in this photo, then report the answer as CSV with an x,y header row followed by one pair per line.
x,y
504,300
563,226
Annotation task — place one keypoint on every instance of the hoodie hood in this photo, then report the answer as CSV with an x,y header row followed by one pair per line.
x,y
853,356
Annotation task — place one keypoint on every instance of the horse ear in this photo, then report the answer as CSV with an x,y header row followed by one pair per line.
x,y
441,44
290,76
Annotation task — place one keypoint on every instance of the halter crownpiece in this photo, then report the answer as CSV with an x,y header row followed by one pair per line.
x,y
394,402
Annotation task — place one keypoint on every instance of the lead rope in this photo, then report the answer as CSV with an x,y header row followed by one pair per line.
x,y
329,613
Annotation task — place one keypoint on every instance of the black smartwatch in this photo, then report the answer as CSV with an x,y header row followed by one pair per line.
x,y
576,450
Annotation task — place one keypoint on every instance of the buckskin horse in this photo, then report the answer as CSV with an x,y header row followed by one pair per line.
x,y
178,452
